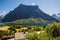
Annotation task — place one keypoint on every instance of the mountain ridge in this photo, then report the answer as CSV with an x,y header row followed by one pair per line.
x,y
26,11
56,16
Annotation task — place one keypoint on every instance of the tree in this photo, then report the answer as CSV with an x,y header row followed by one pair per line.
x,y
12,30
53,30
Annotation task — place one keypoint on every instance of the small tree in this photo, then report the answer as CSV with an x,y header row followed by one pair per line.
x,y
54,29
12,29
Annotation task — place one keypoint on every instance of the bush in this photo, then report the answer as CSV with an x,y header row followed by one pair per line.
x,y
53,30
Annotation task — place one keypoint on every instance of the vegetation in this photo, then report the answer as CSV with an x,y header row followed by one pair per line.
x,y
50,32
30,22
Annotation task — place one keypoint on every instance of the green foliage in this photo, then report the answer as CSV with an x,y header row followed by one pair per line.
x,y
53,29
3,33
32,36
36,36
12,30
51,32
31,21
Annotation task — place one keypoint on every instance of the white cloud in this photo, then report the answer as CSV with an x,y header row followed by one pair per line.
x,y
33,3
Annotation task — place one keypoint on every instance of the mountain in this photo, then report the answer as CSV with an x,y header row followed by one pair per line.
x,y
1,17
56,16
25,12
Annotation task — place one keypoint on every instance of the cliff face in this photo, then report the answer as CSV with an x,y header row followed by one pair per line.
x,y
26,11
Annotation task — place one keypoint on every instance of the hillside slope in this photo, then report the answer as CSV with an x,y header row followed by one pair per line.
x,y
25,12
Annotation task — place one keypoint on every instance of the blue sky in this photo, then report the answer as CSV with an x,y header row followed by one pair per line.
x,y
48,6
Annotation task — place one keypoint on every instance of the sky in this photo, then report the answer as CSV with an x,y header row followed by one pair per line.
x,y
48,6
